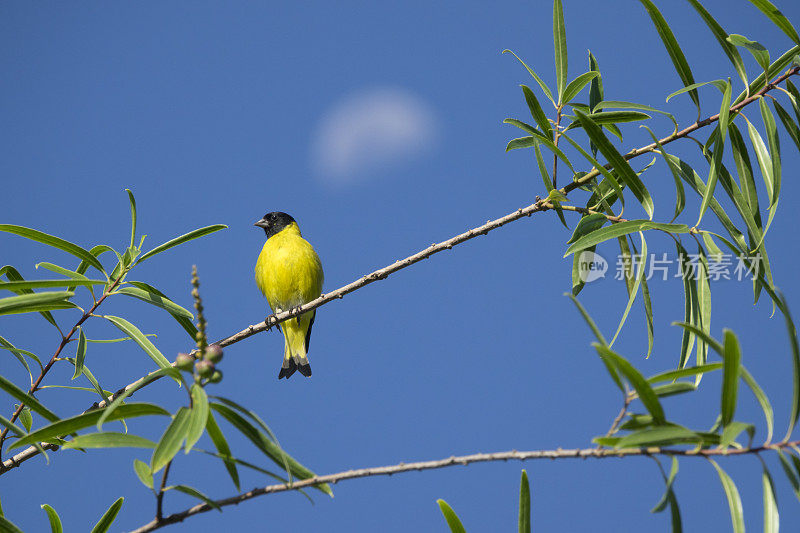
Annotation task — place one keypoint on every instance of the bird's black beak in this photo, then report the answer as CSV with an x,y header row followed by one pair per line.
x,y
262,224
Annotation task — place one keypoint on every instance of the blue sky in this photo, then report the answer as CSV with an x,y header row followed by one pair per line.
x,y
379,127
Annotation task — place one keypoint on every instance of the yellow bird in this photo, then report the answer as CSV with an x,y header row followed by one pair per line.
x,y
289,273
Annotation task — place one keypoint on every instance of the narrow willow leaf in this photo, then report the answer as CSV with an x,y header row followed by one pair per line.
x,y
180,317
85,420
637,381
538,138
661,436
148,347
607,119
7,526
756,49
722,38
622,228
732,431
619,163
15,286
788,123
36,302
577,85
734,501
11,426
719,84
200,232
132,201
774,69
170,441
198,417
536,111
680,194
61,270
671,389
524,504
80,354
587,224
221,444
155,299
55,242
55,520
673,48
560,47
791,475
620,104
545,89
774,157
640,273
703,307
762,399
684,372
589,321
109,439
730,376
744,169
191,491
107,412
104,524
793,342
777,18
27,399
719,148
143,472
547,182
450,516
18,355
771,516
266,446
673,472
596,93
609,180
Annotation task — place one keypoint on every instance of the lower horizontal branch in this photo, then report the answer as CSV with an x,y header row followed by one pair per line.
x,y
576,453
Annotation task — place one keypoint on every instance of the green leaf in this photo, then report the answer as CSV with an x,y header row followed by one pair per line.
x,y
673,471
722,38
560,47
610,181
75,423
36,302
80,354
719,84
108,517
637,381
198,417
524,504
774,69
747,183
18,431
791,475
157,300
734,501
132,201
793,342
588,320
200,232
221,444
622,228
538,138
619,163
27,399
545,89
661,436
730,376
604,118
759,53
732,431
671,389
266,446
620,104
719,146
181,318
55,242
775,158
55,520
762,399
450,516
109,439
771,516
684,372
15,286
596,93
132,331
118,401
640,274
577,85
673,48
703,307
170,441
143,472
777,18
680,194
675,512
788,123
536,111
8,527
547,182
587,224
191,491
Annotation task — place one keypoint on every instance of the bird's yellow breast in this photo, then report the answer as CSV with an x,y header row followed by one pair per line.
x,y
288,270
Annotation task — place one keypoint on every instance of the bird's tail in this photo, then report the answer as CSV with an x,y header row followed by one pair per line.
x,y
294,351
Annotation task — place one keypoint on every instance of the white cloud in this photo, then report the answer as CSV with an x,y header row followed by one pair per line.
x,y
369,131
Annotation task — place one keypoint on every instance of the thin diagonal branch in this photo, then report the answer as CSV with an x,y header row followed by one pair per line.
x,y
538,206
578,453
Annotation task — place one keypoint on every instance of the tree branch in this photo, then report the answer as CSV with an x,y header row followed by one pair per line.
x,y
582,453
538,206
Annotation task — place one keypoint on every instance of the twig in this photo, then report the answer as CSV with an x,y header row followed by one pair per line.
x,y
160,495
539,205
559,453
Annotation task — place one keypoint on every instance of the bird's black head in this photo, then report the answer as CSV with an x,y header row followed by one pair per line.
x,y
274,222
